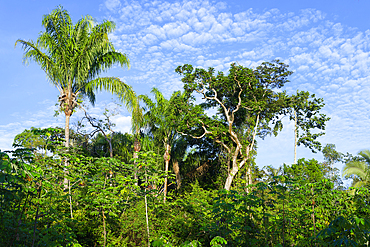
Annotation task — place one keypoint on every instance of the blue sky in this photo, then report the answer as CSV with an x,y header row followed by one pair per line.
x,y
326,44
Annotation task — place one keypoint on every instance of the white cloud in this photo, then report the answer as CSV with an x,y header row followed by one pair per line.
x,y
112,5
123,123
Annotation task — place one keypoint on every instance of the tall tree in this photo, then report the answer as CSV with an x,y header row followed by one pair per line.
x,y
157,122
305,112
331,156
247,105
359,168
73,56
137,122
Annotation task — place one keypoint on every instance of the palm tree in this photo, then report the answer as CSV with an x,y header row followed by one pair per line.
x,y
73,56
157,121
360,168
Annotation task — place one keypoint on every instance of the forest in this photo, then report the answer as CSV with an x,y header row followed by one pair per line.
x,y
186,175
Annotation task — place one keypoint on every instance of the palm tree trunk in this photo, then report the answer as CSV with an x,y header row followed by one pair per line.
x,y
66,144
67,185
167,158
137,148
66,130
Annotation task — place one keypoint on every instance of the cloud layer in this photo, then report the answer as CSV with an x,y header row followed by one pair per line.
x,y
328,58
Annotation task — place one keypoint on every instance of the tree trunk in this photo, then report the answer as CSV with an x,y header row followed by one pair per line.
x,y
136,156
66,181
146,209
66,144
176,169
295,137
167,158
230,177
104,229
137,148
248,176
70,199
110,149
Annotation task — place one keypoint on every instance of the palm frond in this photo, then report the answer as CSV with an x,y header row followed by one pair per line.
x,y
360,184
366,155
113,85
137,118
73,56
358,168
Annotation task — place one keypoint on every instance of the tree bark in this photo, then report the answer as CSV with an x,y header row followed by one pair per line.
x,y
66,181
230,177
136,156
104,229
137,148
167,158
66,144
70,199
235,166
176,169
295,137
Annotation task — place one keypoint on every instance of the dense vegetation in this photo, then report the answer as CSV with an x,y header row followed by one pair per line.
x,y
185,177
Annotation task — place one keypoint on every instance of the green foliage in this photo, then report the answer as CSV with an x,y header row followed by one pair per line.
x,y
307,171
359,168
306,114
73,56
41,140
296,206
331,155
341,231
216,242
96,194
247,106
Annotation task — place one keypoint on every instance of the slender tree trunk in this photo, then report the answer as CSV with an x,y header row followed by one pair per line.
x,y
110,149
104,229
137,148
146,209
67,185
102,209
136,156
70,199
66,130
284,220
66,144
166,180
167,158
248,175
295,136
